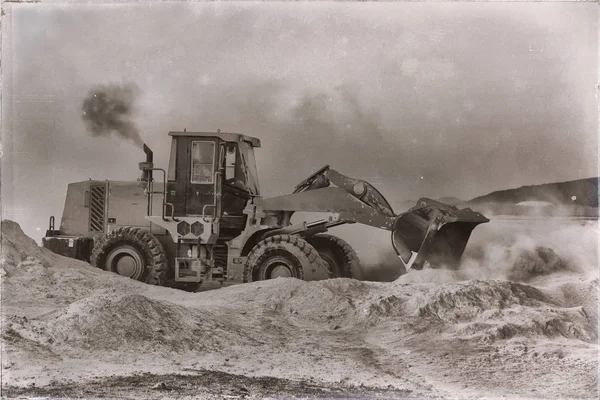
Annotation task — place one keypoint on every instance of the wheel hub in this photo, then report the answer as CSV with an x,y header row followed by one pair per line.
x,y
125,261
280,271
278,268
126,265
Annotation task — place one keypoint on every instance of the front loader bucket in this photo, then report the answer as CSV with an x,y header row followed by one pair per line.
x,y
433,232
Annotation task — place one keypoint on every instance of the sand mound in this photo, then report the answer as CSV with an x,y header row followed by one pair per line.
x,y
480,310
65,311
339,303
522,322
22,257
430,275
466,300
32,281
531,263
107,310
132,322
343,304
333,302
16,246
493,310
35,280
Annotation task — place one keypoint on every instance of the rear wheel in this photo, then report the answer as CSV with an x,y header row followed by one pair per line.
x,y
284,256
339,255
133,253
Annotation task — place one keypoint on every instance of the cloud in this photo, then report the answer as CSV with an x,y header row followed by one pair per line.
x,y
410,67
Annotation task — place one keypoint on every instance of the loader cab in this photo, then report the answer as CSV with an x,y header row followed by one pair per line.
x,y
211,173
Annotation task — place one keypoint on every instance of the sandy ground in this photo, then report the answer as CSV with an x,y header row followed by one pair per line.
x,y
518,320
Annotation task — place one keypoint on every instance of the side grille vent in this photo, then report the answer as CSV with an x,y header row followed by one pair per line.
x,y
97,196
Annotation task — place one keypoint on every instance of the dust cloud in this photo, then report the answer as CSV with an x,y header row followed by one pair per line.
x,y
374,249
509,248
522,250
109,108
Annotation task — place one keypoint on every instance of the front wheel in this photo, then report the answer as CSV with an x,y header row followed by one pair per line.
x,y
284,256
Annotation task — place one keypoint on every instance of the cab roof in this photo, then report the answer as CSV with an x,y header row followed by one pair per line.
x,y
226,136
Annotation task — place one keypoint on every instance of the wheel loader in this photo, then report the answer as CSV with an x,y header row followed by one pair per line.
x,y
203,220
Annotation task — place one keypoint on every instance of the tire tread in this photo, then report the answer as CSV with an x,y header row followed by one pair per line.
x,y
145,241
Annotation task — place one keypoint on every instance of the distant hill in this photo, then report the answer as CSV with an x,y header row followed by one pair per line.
x,y
582,192
450,200
573,198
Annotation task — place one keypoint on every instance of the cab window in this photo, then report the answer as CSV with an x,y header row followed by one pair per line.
x,y
172,174
247,166
230,161
203,162
240,168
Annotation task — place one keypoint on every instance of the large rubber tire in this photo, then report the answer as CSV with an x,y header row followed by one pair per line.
x,y
340,256
284,256
132,252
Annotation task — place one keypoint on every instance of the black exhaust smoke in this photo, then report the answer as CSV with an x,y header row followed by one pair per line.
x,y
108,109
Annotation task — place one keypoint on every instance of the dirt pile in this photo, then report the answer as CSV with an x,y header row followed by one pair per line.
x,y
17,247
466,300
475,310
36,281
67,305
541,261
109,321
492,310
63,319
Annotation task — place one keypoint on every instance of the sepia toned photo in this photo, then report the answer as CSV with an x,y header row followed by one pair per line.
x,y
298,200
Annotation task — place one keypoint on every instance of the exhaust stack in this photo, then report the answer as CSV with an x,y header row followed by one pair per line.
x,y
146,167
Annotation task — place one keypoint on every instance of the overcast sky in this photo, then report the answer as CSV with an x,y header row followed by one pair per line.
x,y
420,99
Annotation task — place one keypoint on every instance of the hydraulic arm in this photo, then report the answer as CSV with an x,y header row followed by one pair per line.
x,y
429,232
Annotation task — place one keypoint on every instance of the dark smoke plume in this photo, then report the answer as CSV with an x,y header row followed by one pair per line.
x,y
109,108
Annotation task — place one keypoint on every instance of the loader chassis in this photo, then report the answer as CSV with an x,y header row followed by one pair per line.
x,y
203,219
